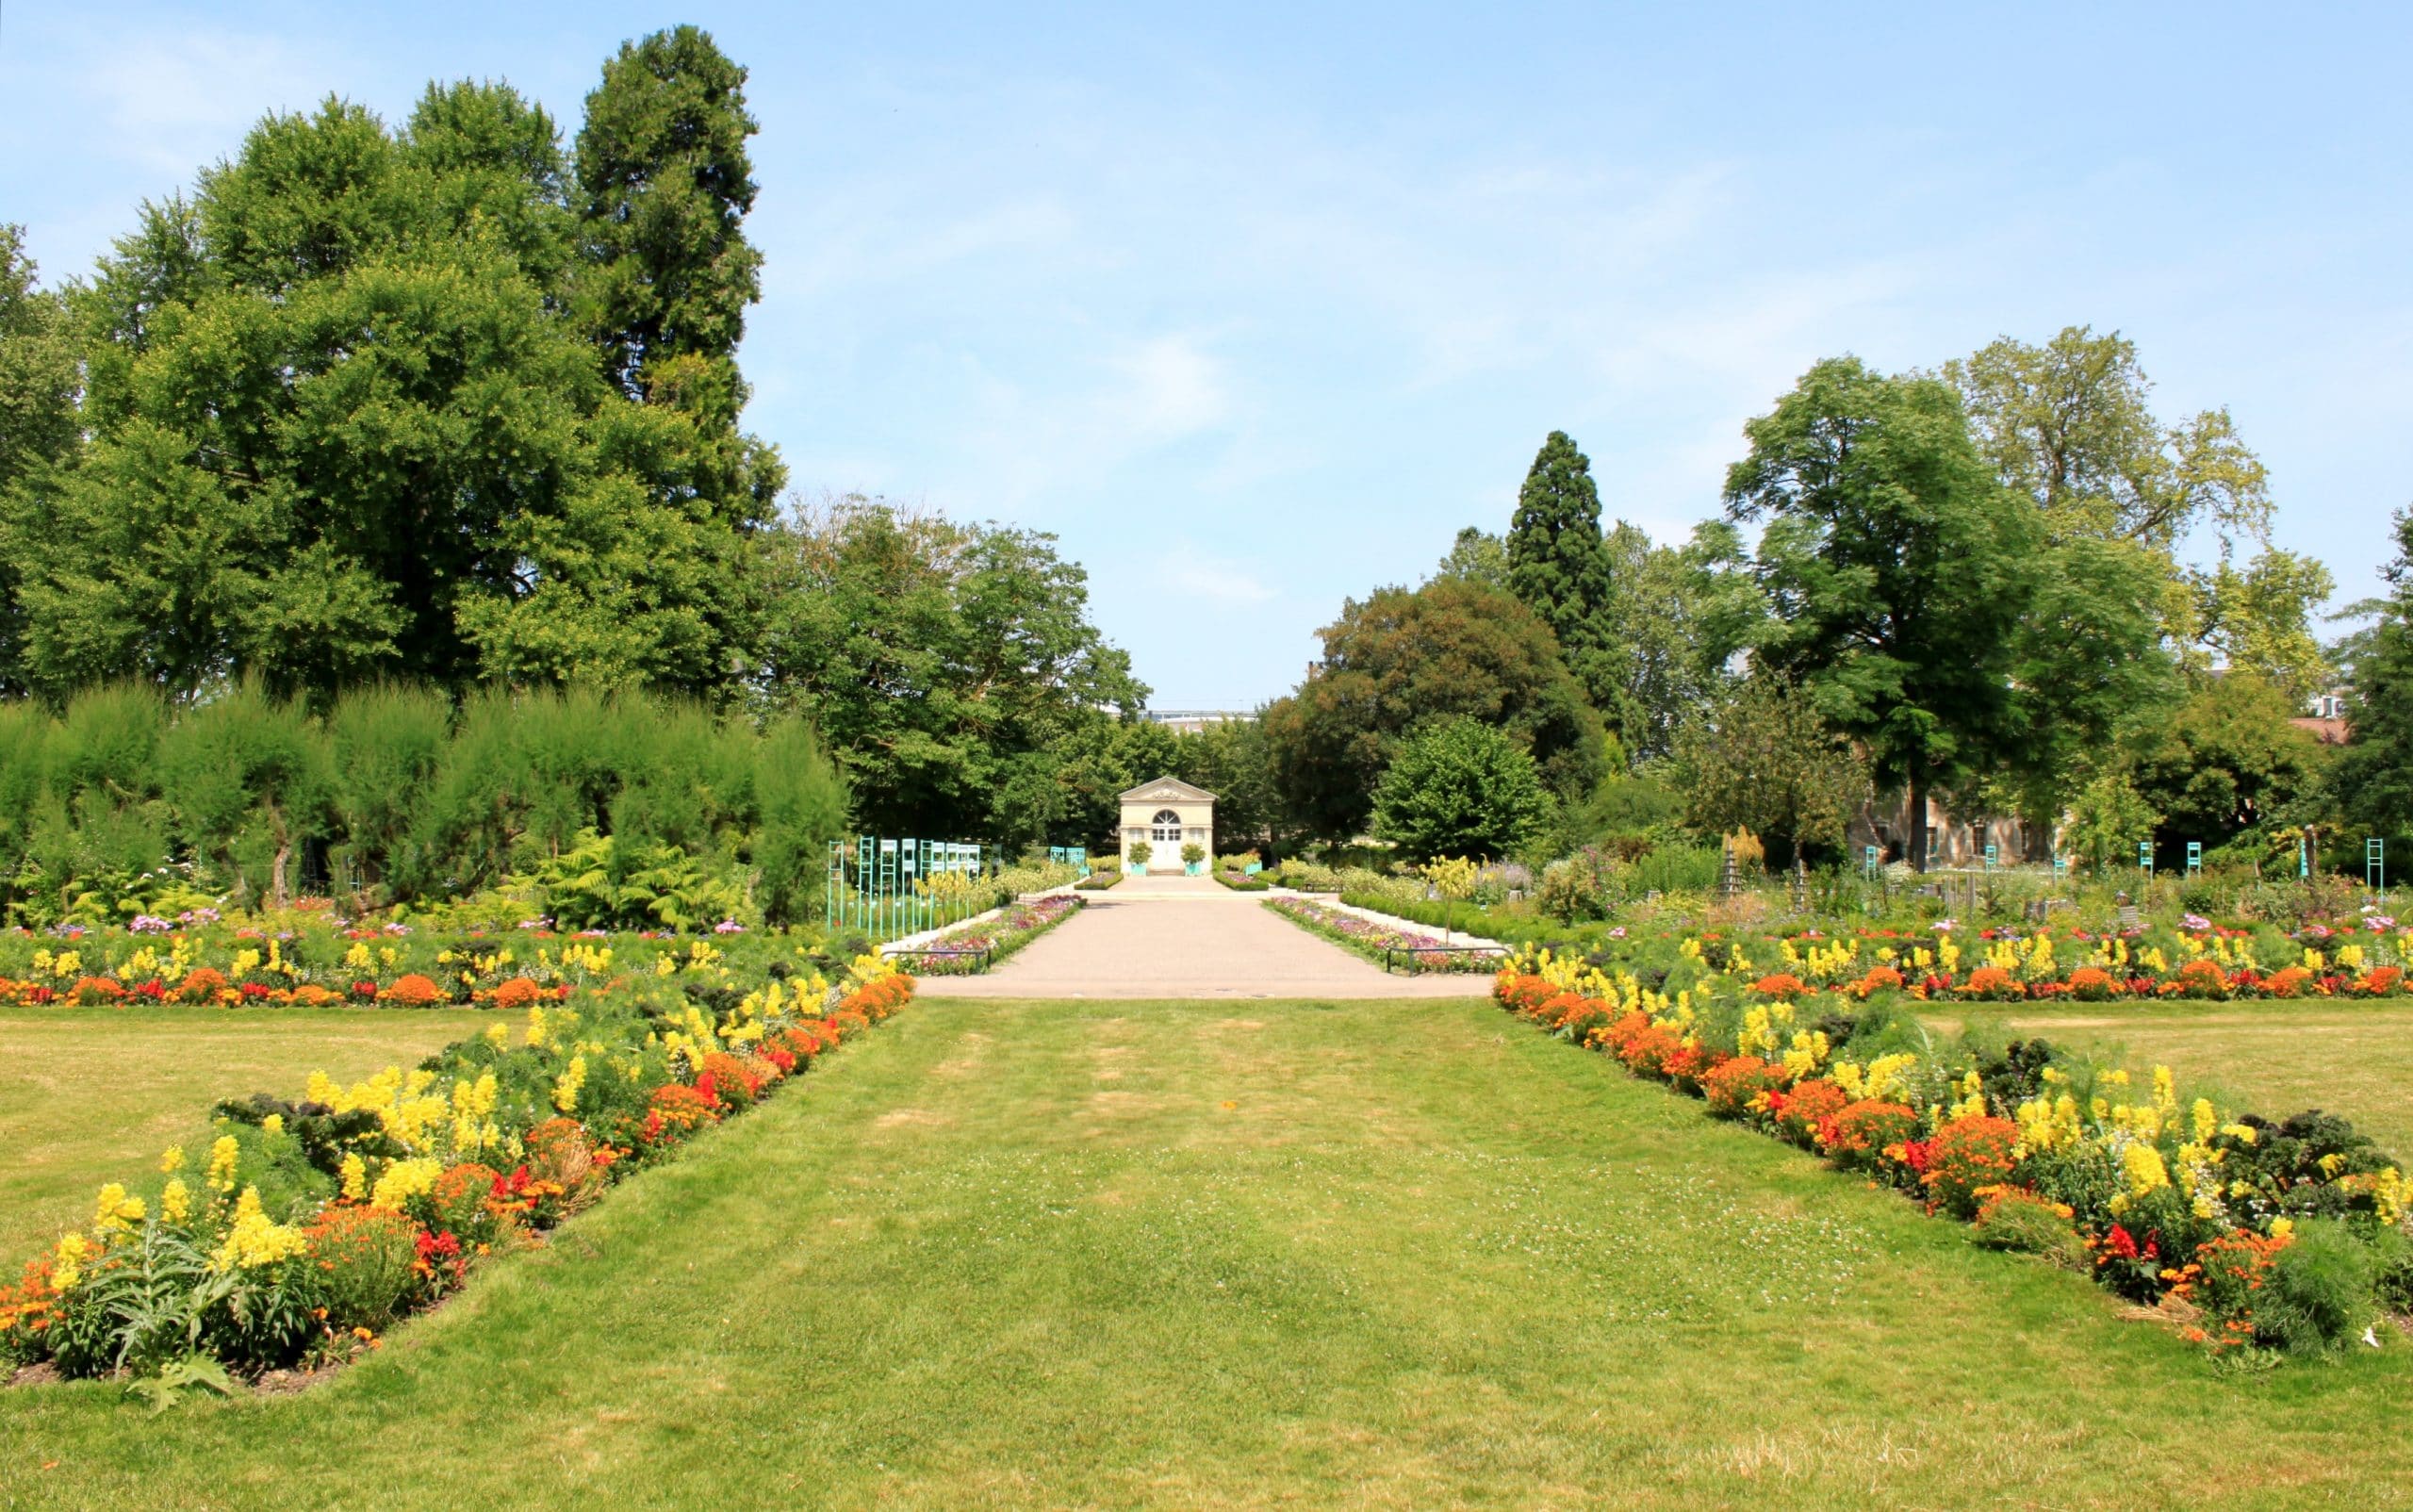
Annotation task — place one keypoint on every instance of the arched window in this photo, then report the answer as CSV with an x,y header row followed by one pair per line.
x,y
1168,830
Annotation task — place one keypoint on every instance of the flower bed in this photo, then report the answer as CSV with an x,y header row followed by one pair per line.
x,y
2166,1201
1394,949
1243,882
2359,959
971,948
1098,882
318,962
307,1227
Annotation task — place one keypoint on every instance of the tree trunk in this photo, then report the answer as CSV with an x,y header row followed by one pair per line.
x,y
284,850
1918,821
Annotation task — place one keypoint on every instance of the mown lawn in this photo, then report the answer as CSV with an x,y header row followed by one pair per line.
x,y
1386,1255
2269,1057
93,1094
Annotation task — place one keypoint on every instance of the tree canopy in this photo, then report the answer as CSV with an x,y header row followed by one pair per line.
x,y
1763,759
340,430
1459,788
1558,567
1896,571
952,667
1402,658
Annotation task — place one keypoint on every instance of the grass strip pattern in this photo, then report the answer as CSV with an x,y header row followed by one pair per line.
x,y
306,1227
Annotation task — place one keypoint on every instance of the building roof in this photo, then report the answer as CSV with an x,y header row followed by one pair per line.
x,y
1170,790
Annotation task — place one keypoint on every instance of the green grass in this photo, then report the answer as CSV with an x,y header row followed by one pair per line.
x,y
2269,1057
93,1094
1386,1254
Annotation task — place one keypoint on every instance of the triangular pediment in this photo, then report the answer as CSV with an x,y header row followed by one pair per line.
x,y
1168,790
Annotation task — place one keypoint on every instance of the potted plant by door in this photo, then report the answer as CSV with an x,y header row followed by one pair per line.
x,y
1194,859
1140,853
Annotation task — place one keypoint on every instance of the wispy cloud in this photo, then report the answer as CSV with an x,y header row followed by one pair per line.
x,y
1216,578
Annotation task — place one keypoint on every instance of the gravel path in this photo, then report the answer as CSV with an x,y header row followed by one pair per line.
x,y
1189,937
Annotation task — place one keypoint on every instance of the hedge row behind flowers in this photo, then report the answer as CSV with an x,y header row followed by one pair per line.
x,y
306,1227
2254,1236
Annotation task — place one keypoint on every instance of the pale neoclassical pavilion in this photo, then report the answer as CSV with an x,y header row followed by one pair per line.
x,y
1167,814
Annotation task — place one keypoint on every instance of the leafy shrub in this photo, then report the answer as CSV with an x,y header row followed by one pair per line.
x,y
1733,1089
2014,1218
1968,1152
599,885
365,1257
1861,1134
1671,869
1803,1110
2321,1296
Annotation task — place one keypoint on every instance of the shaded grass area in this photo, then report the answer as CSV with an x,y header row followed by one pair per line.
x,y
1386,1254
2269,1057
93,1094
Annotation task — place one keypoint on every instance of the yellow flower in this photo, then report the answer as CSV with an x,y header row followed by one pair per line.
x,y
2283,1228
175,1201
116,1212
2143,1167
67,1267
171,1160
566,1087
223,1152
405,1179
273,1123
355,1177
254,1239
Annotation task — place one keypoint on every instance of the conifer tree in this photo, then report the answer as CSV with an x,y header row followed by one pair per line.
x,y
1559,566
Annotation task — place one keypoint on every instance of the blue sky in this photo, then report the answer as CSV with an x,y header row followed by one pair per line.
x,y
1256,308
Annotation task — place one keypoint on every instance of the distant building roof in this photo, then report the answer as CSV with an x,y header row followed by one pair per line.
x,y
1170,789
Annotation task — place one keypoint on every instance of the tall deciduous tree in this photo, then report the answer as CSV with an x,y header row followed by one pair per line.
x,y
1764,759
2070,425
2374,776
342,428
2092,672
1399,660
1896,567
1477,556
38,369
953,670
38,384
2229,761
1682,613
